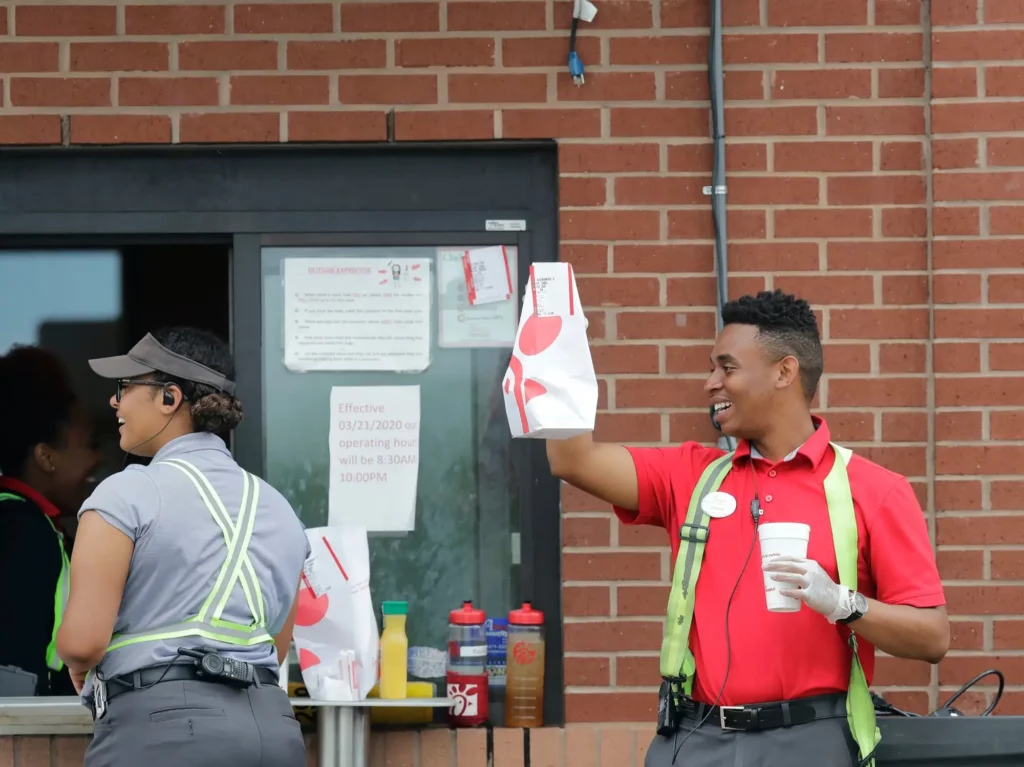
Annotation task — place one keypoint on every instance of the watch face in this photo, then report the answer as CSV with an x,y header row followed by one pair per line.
x,y
860,603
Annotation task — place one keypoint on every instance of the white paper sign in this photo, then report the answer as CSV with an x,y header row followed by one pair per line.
x,y
375,457
462,325
357,314
488,276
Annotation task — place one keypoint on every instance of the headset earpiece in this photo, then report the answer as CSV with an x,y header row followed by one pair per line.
x,y
168,397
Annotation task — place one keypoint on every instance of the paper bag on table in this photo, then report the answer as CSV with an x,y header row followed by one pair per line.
x,y
336,632
550,388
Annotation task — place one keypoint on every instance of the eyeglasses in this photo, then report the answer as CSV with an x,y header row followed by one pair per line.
x,y
124,383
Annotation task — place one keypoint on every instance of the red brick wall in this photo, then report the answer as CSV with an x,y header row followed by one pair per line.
x,y
582,745
880,188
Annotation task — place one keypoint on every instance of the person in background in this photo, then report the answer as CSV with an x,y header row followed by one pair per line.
x,y
768,688
185,561
48,455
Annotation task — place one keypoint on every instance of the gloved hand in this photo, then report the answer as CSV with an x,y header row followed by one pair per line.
x,y
815,587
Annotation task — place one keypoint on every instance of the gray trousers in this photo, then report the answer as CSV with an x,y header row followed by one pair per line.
x,y
198,724
825,742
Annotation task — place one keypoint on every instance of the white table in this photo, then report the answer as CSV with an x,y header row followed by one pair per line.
x,y
343,727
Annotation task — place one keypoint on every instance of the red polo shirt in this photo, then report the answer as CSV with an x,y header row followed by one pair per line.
x,y
782,656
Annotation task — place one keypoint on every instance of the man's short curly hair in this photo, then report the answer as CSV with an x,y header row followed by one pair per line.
x,y
786,326
36,398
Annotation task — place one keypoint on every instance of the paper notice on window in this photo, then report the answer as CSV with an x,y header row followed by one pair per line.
x,y
375,457
357,314
462,325
488,277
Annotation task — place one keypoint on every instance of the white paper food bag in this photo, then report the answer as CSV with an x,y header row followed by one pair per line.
x,y
550,388
336,633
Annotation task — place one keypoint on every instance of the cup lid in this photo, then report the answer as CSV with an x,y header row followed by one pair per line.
x,y
467,615
526,616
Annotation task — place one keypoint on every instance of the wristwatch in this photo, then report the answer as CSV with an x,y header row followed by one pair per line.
x,y
858,605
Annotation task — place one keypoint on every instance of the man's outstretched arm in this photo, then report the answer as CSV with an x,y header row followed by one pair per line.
x,y
606,471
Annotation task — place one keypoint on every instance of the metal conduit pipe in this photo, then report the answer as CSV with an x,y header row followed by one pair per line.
x,y
717,190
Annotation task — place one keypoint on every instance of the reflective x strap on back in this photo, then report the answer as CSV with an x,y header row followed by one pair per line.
x,y
60,594
60,601
677,663
237,568
860,711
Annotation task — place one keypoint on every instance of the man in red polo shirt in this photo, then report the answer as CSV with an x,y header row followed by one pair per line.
x,y
765,367
47,458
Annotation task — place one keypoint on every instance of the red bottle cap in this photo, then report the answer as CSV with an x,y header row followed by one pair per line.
x,y
467,615
526,616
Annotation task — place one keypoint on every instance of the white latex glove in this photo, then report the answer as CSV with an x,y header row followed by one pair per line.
x,y
815,587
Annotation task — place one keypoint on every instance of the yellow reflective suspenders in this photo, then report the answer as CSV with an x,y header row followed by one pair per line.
x,y
237,567
60,594
677,662
60,600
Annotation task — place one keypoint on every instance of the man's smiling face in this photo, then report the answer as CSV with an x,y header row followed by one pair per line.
x,y
742,383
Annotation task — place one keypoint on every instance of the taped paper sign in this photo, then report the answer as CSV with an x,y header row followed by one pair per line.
x,y
488,276
462,325
357,314
550,387
375,457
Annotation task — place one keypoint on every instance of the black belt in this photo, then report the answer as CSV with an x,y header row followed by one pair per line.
x,y
147,677
766,716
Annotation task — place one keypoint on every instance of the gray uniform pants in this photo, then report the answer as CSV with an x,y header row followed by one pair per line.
x,y
825,742
198,724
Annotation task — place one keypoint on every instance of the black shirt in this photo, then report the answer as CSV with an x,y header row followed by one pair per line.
x,y
30,565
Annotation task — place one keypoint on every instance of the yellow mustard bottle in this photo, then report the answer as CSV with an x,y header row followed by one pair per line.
x,y
394,652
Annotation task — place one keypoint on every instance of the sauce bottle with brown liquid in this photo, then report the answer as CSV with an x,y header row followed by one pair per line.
x,y
524,669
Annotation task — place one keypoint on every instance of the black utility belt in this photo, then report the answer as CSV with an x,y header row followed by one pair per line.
x,y
178,672
752,717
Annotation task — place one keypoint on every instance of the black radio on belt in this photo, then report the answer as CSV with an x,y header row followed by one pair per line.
x,y
668,712
215,667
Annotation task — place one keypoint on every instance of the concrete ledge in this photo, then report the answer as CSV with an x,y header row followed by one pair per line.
x,y
65,715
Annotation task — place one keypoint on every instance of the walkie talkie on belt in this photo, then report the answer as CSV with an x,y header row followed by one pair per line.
x,y
215,667
668,715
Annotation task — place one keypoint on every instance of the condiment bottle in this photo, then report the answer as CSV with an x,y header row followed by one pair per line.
x,y
467,666
524,683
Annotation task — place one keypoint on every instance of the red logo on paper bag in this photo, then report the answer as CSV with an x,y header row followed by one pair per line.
x,y
312,608
537,335
308,659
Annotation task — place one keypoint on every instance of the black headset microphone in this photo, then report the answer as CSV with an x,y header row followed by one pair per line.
x,y
755,513
168,399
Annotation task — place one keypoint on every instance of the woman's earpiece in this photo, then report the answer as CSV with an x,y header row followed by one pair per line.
x,y
168,397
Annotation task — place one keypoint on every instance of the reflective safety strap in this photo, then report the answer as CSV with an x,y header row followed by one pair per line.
x,y
677,661
237,568
860,711
60,600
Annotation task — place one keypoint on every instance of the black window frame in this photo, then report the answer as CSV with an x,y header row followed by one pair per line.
x,y
325,194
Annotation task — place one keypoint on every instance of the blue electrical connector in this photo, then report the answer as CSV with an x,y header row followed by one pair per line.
x,y
575,68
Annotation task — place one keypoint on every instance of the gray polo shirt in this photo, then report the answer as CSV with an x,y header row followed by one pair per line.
x,y
179,550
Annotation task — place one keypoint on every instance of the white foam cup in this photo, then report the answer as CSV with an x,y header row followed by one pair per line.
x,y
781,539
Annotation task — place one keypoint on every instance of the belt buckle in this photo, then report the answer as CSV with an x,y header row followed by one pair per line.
x,y
722,711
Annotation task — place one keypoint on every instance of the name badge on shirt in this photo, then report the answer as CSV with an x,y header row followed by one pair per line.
x,y
718,505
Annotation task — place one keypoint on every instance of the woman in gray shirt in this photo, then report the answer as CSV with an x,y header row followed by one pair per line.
x,y
184,575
